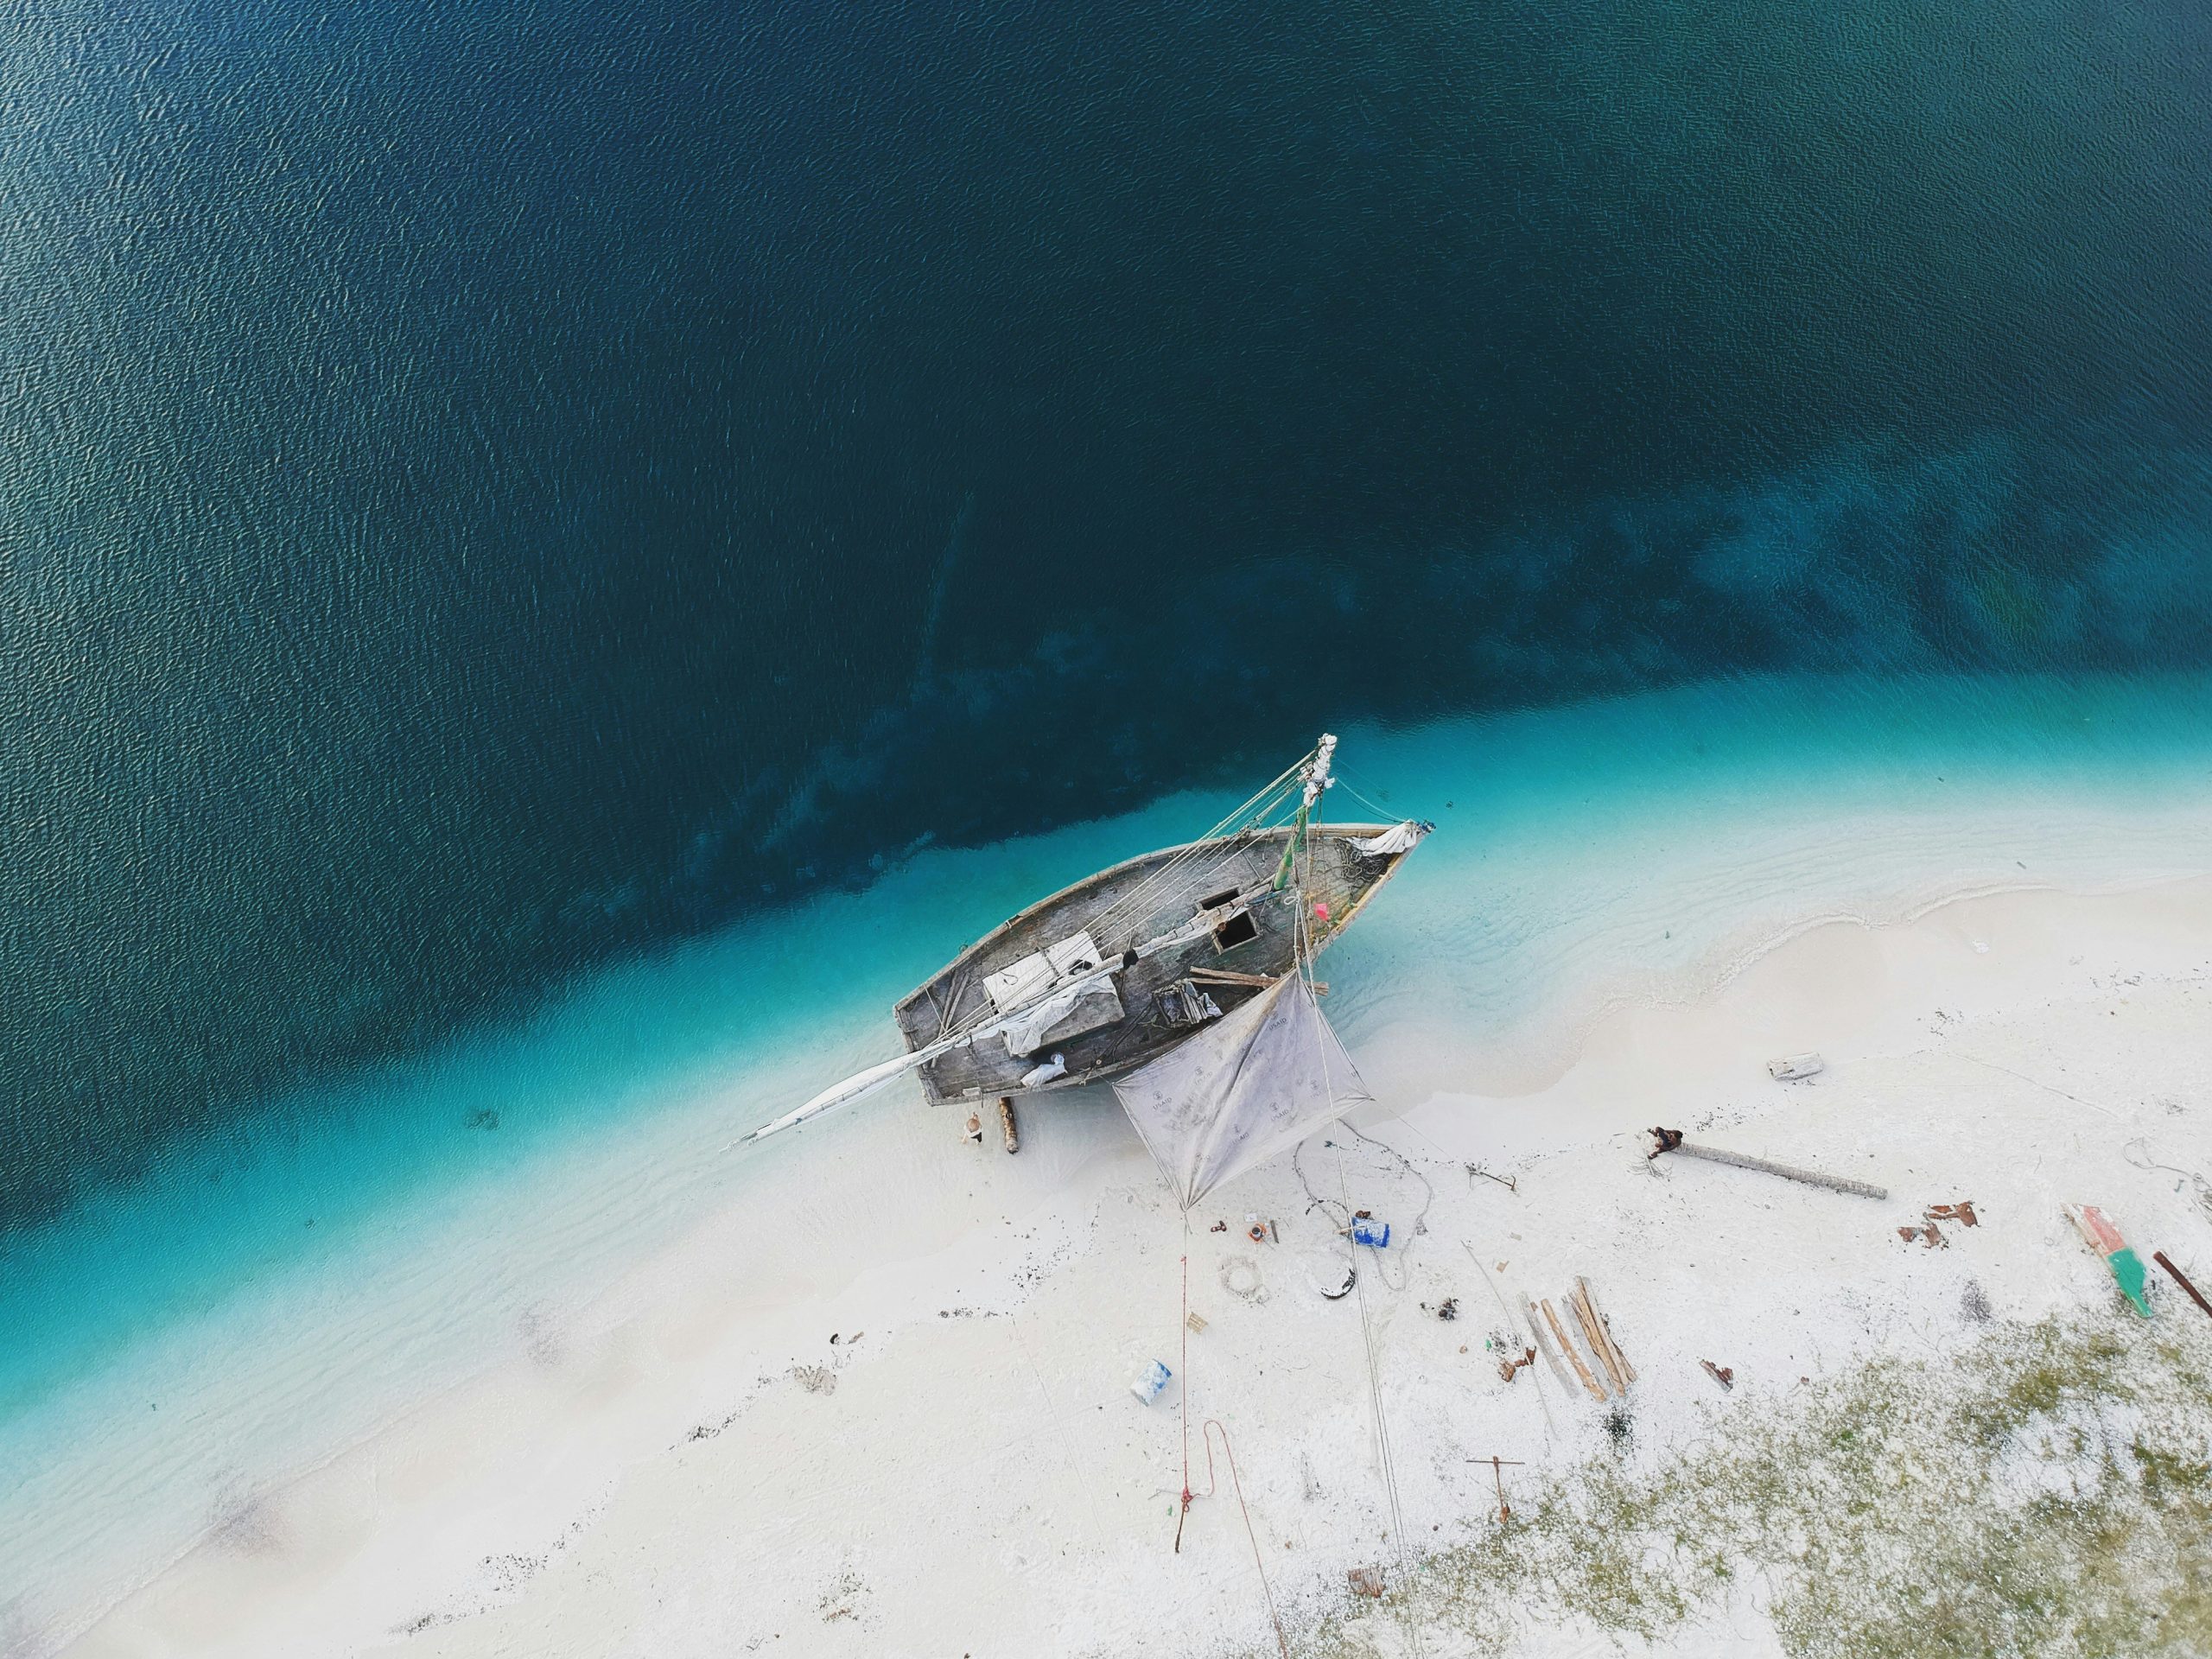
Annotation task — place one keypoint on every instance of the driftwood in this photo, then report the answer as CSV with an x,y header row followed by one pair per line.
x,y
1581,1371
1006,1123
1671,1140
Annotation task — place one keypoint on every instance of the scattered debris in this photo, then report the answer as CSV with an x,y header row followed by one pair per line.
x,y
1509,1369
1368,1232
1974,1302
1792,1067
1671,1140
1724,1374
1006,1123
1448,1308
1219,1227
814,1379
1511,1183
2181,1279
1151,1382
1197,1322
1960,1211
2101,1235
1365,1580
1931,1236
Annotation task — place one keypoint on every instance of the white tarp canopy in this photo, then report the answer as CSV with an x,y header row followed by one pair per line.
x,y
1242,1089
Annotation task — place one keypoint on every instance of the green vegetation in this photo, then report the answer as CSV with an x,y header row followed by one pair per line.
x,y
2046,1492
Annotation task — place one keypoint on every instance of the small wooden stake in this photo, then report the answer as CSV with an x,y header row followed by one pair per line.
x,y
1497,1479
1567,1348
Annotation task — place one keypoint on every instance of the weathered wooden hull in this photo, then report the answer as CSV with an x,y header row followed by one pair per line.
x,y
1124,906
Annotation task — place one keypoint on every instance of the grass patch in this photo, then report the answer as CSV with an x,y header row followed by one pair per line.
x,y
2048,1492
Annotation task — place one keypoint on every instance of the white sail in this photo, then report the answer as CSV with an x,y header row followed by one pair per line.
x,y
1244,1089
1398,838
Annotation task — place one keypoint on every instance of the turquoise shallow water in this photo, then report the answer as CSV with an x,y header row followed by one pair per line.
x,y
485,491
277,1294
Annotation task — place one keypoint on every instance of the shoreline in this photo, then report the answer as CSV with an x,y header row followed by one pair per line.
x,y
688,1361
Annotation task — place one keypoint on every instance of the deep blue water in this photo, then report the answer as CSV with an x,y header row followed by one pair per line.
x,y
488,488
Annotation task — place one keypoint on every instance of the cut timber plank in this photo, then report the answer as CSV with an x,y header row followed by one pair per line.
x,y
1595,1338
1567,1348
1544,1345
1605,1330
1222,976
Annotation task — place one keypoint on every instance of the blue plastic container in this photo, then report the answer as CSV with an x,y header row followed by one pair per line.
x,y
1150,1382
1377,1233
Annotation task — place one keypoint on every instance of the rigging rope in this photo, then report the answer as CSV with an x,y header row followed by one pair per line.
x,y
1371,805
1359,1288
1258,808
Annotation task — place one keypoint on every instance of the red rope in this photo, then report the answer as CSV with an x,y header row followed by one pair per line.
x,y
1183,1395
1235,1481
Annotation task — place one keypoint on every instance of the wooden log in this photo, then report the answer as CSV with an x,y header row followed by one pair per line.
x,y
2181,1279
1006,1123
1225,976
1671,1140
1567,1348
1588,1321
1544,1346
1605,1329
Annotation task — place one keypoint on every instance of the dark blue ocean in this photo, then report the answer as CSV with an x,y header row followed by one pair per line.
x,y
496,499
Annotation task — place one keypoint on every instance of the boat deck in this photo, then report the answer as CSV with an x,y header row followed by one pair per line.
x,y
1135,901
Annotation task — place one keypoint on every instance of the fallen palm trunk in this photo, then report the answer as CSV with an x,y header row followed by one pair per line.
x,y
1671,1140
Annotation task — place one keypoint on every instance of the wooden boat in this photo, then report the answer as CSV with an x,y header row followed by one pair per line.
x,y
1199,945
1236,933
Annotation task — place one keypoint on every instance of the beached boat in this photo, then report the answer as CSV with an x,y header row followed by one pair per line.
x,y
1183,977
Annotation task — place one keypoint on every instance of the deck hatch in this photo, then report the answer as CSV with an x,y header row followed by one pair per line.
x,y
1234,928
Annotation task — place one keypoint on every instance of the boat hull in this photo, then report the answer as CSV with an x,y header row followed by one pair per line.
x,y
1252,937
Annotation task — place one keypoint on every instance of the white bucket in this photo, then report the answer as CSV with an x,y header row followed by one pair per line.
x,y
1151,1382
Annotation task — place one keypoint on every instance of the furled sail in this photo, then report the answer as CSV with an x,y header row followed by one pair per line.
x,y
1398,838
1242,1089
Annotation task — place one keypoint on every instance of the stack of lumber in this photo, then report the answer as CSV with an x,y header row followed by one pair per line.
x,y
1610,1374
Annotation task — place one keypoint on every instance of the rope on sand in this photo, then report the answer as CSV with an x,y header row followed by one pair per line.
x,y
1237,1483
1207,1430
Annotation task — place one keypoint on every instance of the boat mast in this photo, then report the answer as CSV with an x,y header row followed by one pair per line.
x,y
1317,780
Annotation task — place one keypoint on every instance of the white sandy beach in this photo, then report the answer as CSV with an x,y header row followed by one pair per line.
x,y
882,1407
